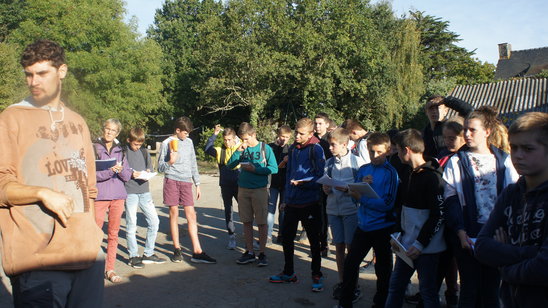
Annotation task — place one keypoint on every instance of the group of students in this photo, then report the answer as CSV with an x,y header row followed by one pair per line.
x,y
442,208
445,200
433,206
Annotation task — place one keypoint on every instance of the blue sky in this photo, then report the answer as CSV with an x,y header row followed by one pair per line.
x,y
481,24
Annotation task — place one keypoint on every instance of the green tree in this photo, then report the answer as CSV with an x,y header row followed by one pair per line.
x,y
278,60
442,58
111,72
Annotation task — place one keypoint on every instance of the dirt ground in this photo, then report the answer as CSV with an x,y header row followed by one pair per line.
x,y
224,284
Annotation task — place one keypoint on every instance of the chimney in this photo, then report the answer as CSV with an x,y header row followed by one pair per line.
x,y
505,51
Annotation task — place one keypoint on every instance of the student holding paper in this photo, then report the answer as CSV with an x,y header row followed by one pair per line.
x,y
421,223
376,221
138,195
302,201
342,210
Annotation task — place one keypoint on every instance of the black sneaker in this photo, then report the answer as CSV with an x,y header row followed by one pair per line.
x,y
246,258
154,259
337,290
202,258
357,294
262,260
136,262
413,299
177,256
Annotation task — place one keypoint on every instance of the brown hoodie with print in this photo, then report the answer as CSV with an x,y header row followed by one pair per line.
x,y
38,149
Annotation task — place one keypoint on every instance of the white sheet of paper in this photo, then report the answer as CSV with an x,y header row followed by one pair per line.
x,y
327,180
308,179
364,189
401,252
145,175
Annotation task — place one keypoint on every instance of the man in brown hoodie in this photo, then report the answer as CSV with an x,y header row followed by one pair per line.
x,y
51,246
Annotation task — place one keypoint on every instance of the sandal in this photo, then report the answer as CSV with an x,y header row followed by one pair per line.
x,y
112,277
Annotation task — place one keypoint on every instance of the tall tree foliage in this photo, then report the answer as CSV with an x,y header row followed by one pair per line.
x,y
263,59
111,72
441,58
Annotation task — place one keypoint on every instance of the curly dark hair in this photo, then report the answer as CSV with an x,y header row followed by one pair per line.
x,y
43,50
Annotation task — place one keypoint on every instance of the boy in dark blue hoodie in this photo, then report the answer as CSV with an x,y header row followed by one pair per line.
x,y
301,201
515,237
376,221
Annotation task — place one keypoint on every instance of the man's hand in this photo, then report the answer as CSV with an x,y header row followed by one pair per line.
x,y
173,157
60,204
465,241
501,236
198,192
368,179
395,246
248,167
136,174
117,168
354,194
242,147
296,183
340,188
413,252
326,189
217,129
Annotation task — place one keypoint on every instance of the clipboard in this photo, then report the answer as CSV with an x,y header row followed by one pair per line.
x,y
401,251
104,164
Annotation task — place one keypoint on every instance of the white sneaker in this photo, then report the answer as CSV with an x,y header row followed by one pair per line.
x,y
231,242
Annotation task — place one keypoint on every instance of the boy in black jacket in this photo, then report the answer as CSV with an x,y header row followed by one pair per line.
x,y
421,223
515,237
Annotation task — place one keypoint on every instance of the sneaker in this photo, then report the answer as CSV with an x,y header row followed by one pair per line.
x,y
246,258
136,262
337,290
202,258
317,283
451,300
269,241
177,256
154,259
262,260
413,299
231,242
281,277
357,294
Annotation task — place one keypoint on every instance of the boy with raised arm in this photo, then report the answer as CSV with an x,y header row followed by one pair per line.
x,y
228,178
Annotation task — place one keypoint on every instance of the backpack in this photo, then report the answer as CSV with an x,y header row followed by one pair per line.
x,y
311,154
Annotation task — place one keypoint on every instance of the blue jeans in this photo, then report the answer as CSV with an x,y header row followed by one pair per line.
x,y
426,266
229,192
144,201
479,283
272,205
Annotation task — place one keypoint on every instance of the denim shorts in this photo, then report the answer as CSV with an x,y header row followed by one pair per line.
x,y
343,227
